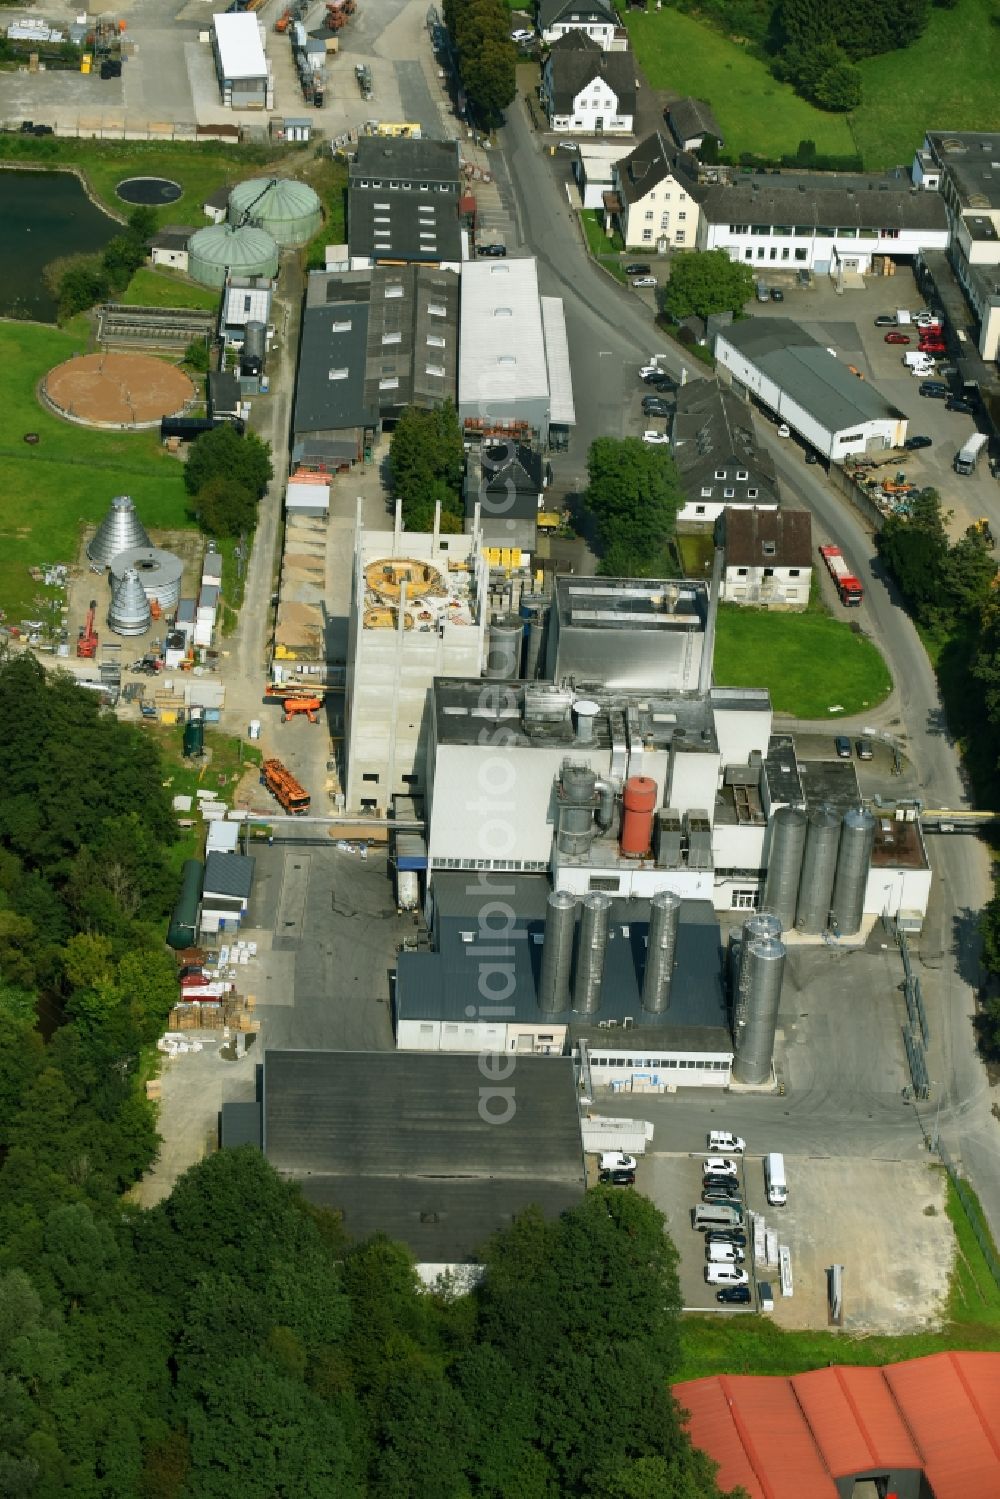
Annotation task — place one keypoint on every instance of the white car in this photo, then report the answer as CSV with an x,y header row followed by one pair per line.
x,y
928,320
921,370
652,368
644,281
726,1275
719,1165
655,437
521,35
615,1160
568,146
721,1140
724,1254
784,430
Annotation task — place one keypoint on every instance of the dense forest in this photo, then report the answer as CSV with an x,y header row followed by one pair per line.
x,y
230,1342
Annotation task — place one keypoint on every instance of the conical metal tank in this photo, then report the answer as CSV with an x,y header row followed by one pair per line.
x,y
119,531
764,965
819,866
857,839
557,952
159,572
784,865
592,947
661,950
129,613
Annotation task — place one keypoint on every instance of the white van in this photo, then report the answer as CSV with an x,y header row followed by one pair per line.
x,y
726,1275
774,1179
915,359
724,1254
721,1142
717,1215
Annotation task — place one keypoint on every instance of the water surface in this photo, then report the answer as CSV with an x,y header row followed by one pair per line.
x,y
43,215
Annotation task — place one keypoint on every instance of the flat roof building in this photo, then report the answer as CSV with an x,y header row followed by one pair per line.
x,y
627,633
402,205
240,61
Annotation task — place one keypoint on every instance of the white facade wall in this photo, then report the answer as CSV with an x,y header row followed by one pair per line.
x,y
635,881
176,259
890,891
694,779
627,1067
593,171
595,112
823,254
602,32
740,731
666,214
787,586
738,845
539,1038
705,513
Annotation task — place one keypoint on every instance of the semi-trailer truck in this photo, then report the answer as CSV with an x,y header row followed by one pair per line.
x,y
847,585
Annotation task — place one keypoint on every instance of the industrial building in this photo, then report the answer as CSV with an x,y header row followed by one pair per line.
x,y
226,888
768,558
513,373
619,634
928,1428
960,167
505,483
246,304
220,251
799,381
719,464
409,1146
635,987
241,64
402,203
289,211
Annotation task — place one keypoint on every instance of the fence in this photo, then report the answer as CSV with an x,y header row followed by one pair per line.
x,y
972,1212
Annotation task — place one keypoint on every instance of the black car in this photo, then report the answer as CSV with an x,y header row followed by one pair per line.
x,y
934,391
734,1296
843,747
660,381
653,406
811,456
777,295
734,1236
912,443
885,320
957,403
499,250
720,1194
637,268
617,1178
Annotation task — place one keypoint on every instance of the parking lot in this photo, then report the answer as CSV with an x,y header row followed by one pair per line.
x,y
883,1220
845,323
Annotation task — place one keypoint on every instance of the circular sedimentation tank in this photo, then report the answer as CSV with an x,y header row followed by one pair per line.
x,y
222,250
289,211
117,390
148,191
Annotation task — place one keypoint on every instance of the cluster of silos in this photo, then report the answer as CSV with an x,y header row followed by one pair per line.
x,y
573,954
504,641
223,250
757,979
119,531
129,612
159,574
289,211
818,868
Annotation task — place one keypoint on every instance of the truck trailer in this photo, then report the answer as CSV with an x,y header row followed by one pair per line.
x,y
284,787
847,585
968,454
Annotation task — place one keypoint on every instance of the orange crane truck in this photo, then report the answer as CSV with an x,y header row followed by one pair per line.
x,y
285,789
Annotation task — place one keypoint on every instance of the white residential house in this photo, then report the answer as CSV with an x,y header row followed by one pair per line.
x,y
719,464
585,89
768,558
651,202
597,18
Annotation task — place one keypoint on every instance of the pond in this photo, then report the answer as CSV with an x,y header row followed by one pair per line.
x,y
43,215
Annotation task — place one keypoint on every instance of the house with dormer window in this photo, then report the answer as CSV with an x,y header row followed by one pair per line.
x,y
596,18
653,202
585,89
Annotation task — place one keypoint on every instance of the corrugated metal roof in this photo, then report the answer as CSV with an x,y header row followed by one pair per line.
x,y
854,1419
241,51
502,346
951,1403
229,874
562,411
246,304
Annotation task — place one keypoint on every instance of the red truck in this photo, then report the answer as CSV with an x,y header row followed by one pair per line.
x,y
846,584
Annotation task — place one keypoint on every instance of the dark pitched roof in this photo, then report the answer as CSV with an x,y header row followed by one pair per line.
x,y
330,391
652,161
398,1142
800,202
171,237
412,337
398,159
762,538
572,68
713,426
576,40
505,480
229,874
389,224
582,12
689,118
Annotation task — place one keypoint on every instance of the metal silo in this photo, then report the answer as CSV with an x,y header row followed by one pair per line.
x,y
289,211
819,865
159,573
220,251
503,648
129,612
592,946
764,964
661,950
575,808
120,529
557,952
857,840
764,926
784,864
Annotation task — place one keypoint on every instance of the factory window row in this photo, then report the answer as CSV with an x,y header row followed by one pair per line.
x,y
671,1063
499,864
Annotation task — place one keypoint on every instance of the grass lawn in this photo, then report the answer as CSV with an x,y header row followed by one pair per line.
x,y
809,662
753,1345
946,80
220,770
49,490
697,549
149,288
756,112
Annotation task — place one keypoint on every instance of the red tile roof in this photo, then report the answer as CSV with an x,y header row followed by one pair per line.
x,y
787,1438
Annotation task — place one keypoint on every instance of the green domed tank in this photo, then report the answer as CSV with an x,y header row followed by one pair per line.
x,y
221,250
289,211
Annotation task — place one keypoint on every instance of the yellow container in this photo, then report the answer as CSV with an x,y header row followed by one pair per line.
x,y
85,62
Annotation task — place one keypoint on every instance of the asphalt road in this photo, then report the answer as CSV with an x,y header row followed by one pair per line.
x,y
609,333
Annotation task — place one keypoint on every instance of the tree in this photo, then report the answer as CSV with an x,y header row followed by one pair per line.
x,y
427,460
82,281
197,355
223,454
123,255
634,496
915,547
142,222
705,282
838,87
487,58
225,507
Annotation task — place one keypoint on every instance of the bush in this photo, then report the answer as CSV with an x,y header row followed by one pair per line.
x,y
224,454
225,507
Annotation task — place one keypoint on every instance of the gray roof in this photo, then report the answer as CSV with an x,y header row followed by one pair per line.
x,y
392,159
575,12
398,1142
334,338
804,369
970,159
768,538
229,874
690,118
443,984
576,60
712,428
505,480
652,161
223,390
781,771
240,1125
812,202
171,237
832,781
401,325
420,226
